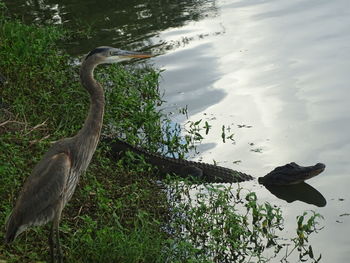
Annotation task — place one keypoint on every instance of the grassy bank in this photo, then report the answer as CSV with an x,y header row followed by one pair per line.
x,y
41,102
118,212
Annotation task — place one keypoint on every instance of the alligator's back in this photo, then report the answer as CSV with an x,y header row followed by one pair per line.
x,y
166,165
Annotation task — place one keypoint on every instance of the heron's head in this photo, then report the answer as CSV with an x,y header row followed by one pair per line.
x,y
101,55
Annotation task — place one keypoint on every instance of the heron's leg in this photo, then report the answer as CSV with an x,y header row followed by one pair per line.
x,y
55,225
59,250
52,243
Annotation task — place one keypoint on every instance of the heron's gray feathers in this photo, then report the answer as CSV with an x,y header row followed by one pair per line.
x,y
41,194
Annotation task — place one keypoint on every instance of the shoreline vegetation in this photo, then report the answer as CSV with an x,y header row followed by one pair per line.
x,y
119,212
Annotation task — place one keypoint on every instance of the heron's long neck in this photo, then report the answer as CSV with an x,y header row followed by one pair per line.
x,y
93,122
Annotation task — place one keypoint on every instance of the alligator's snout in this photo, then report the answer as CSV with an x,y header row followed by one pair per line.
x,y
291,173
320,166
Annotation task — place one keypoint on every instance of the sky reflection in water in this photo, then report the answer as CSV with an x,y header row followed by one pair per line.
x,y
281,67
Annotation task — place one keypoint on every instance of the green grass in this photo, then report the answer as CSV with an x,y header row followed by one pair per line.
x,y
118,212
43,102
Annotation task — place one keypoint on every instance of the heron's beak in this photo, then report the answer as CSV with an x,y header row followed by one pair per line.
x,y
130,54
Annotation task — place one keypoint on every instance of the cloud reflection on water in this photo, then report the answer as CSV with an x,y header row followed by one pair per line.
x,y
281,67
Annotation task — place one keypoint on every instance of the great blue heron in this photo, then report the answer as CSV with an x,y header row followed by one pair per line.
x,y
53,180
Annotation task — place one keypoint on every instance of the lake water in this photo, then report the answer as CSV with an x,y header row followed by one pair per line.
x,y
275,73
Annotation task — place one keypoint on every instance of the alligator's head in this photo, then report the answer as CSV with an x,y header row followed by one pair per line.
x,y
291,173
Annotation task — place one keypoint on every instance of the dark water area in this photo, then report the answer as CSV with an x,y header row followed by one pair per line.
x,y
123,23
275,73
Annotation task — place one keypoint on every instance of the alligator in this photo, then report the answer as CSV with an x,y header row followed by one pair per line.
x,y
287,174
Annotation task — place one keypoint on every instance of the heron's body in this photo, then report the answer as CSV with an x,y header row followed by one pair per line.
x,y
54,179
